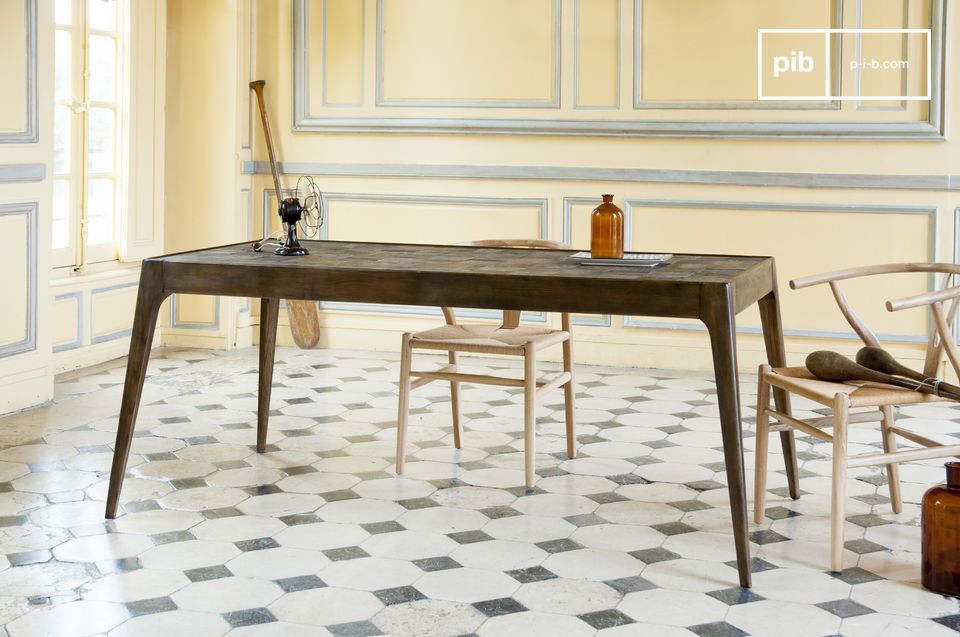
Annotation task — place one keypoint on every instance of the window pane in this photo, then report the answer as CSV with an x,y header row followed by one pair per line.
x,y
103,68
62,63
63,11
100,140
61,139
103,15
61,214
99,211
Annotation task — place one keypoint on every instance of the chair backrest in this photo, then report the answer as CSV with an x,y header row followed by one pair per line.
x,y
944,320
511,318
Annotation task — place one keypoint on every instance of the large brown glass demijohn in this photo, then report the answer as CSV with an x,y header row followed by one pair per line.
x,y
940,530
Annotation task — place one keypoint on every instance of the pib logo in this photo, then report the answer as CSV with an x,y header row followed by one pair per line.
x,y
796,62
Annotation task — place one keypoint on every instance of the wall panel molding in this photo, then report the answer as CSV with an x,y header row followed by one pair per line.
x,y
552,102
29,134
867,181
858,73
640,103
108,336
576,60
390,120
22,173
29,341
78,342
176,323
933,233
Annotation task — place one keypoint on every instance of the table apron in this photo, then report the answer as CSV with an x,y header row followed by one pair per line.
x,y
613,296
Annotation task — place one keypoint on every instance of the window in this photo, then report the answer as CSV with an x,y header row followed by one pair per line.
x,y
88,93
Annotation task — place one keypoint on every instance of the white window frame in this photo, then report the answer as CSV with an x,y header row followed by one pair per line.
x,y
79,254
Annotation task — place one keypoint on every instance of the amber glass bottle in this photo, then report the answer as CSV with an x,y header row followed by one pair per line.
x,y
606,230
940,529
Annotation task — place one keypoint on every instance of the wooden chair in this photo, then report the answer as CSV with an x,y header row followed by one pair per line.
x,y
508,339
877,401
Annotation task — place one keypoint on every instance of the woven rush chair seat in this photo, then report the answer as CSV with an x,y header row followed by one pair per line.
x,y
800,381
487,339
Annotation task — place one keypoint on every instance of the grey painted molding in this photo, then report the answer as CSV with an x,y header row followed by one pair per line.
x,y
629,175
726,105
555,63
30,134
904,76
956,258
542,204
29,341
576,61
933,232
932,129
213,325
22,173
956,234
831,131
109,336
78,342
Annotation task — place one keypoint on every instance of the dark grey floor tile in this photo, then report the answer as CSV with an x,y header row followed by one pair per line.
x,y
354,629
845,608
399,595
606,619
531,574
442,563
502,606
299,583
717,629
150,606
207,573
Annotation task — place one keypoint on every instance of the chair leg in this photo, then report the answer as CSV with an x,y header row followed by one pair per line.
x,y
763,444
403,404
455,400
890,446
841,410
529,414
569,391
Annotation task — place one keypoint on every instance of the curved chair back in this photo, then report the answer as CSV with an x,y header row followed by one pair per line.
x,y
944,320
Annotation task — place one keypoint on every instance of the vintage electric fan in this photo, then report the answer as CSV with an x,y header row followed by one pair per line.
x,y
307,217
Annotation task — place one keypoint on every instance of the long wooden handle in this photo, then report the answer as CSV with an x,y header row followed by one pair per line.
x,y
257,87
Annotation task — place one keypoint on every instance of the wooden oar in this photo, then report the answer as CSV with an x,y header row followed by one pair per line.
x,y
303,315
304,323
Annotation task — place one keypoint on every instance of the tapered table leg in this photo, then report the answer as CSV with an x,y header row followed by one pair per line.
x,y
269,311
717,313
149,298
776,356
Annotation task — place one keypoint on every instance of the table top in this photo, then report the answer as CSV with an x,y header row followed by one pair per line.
x,y
465,276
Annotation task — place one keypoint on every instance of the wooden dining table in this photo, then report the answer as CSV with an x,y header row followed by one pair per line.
x,y
710,288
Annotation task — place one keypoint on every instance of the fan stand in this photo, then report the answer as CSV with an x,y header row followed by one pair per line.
x,y
290,213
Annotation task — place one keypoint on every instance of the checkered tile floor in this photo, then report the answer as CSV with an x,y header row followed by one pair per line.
x,y
318,537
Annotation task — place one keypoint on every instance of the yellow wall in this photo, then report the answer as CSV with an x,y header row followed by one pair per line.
x,y
483,99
